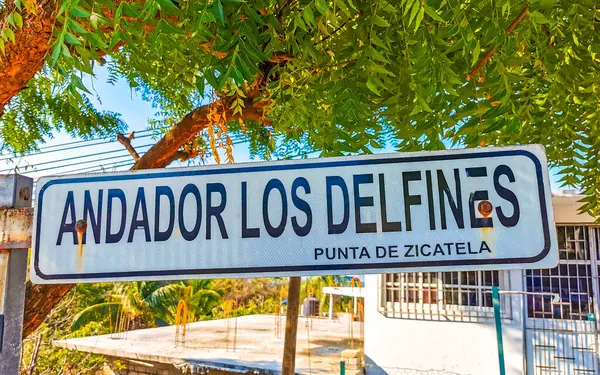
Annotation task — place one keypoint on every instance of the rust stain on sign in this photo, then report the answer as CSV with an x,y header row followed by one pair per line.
x,y
80,227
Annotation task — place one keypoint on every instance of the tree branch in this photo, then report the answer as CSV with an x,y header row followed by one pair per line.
x,y
126,141
489,54
167,149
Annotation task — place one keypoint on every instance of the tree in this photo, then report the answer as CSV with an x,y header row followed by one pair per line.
x,y
150,303
339,76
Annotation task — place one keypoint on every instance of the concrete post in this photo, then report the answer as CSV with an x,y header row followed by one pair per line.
x,y
331,306
15,235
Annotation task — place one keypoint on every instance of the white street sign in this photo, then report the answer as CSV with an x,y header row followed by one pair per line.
x,y
476,209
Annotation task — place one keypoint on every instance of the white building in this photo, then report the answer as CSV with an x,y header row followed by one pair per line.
x,y
443,322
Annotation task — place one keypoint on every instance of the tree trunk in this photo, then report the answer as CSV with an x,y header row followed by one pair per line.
x,y
41,299
25,57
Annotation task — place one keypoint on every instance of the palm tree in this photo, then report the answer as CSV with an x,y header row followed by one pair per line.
x,y
151,303
199,295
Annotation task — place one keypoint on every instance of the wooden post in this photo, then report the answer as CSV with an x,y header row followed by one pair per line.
x,y
291,327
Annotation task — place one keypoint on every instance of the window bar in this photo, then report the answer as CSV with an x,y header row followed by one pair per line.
x,y
440,294
420,294
594,255
402,294
480,283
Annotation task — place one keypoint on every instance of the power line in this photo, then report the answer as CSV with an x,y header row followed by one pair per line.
x,y
104,167
76,157
107,166
80,163
67,148
88,141
82,146
122,163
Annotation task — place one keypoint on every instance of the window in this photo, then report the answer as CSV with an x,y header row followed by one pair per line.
x,y
571,280
435,295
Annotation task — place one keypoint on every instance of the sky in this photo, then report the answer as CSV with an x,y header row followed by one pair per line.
x,y
64,154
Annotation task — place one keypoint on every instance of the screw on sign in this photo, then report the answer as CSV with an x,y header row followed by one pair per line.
x,y
485,208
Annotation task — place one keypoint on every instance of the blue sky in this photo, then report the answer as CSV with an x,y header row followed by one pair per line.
x,y
136,112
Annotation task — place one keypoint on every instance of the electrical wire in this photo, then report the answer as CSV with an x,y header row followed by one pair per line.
x,y
67,148
80,163
235,140
77,157
85,141
99,168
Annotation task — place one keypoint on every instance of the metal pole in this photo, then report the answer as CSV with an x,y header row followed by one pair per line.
x,y
15,225
291,327
331,306
342,367
498,319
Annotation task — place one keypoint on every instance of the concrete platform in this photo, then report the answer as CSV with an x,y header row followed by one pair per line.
x,y
257,347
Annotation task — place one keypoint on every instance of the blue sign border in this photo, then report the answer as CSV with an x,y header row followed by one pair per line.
x,y
306,165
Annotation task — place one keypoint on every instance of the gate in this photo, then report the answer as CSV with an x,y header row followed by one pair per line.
x,y
561,308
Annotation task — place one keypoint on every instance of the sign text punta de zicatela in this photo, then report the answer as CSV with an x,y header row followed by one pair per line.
x,y
451,210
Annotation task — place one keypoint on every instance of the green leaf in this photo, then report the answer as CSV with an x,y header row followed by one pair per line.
x,y
433,14
72,39
375,54
308,15
419,18
218,11
118,14
168,4
407,6
372,86
380,69
11,19
78,11
66,53
56,50
425,106
7,33
78,83
322,6
18,20
539,17
76,26
380,21
378,42
200,84
94,20
476,53
299,22
415,9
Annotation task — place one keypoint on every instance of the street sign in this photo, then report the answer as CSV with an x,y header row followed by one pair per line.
x,y
476,209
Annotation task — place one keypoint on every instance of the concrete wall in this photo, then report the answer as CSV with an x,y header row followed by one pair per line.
x,y
123,366
119,366
402,346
